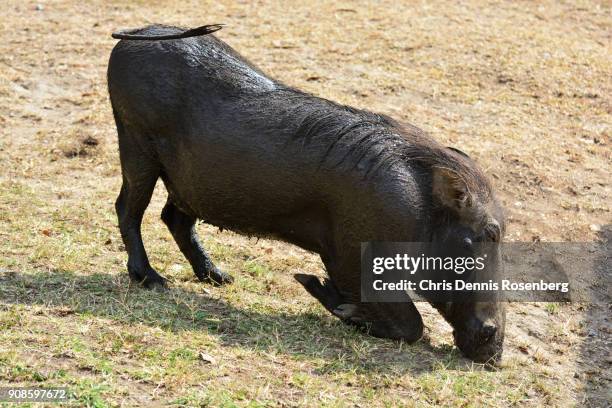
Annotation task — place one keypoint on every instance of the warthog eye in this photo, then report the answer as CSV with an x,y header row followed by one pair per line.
x,y
467,243
492,232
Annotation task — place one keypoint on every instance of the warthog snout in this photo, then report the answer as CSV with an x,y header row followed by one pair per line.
x,y
481,341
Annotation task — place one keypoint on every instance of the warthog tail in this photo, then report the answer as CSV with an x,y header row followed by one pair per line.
x,y
194,32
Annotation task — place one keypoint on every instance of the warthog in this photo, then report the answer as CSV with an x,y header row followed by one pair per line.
x,y
245,152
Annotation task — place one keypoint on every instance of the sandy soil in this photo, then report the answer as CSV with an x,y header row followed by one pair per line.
x,y
523,87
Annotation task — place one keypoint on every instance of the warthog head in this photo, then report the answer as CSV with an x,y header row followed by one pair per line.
x,y
470,223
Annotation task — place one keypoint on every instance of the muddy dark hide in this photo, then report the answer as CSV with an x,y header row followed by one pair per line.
x,y
245,152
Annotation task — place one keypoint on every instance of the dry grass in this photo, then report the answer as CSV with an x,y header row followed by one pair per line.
x,y
523,87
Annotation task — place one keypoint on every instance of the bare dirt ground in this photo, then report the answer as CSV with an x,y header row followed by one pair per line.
x,y
523,87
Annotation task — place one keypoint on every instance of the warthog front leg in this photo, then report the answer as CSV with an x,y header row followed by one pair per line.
x,y
399,321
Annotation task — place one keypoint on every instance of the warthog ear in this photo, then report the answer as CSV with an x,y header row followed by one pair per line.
x,y
449,189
